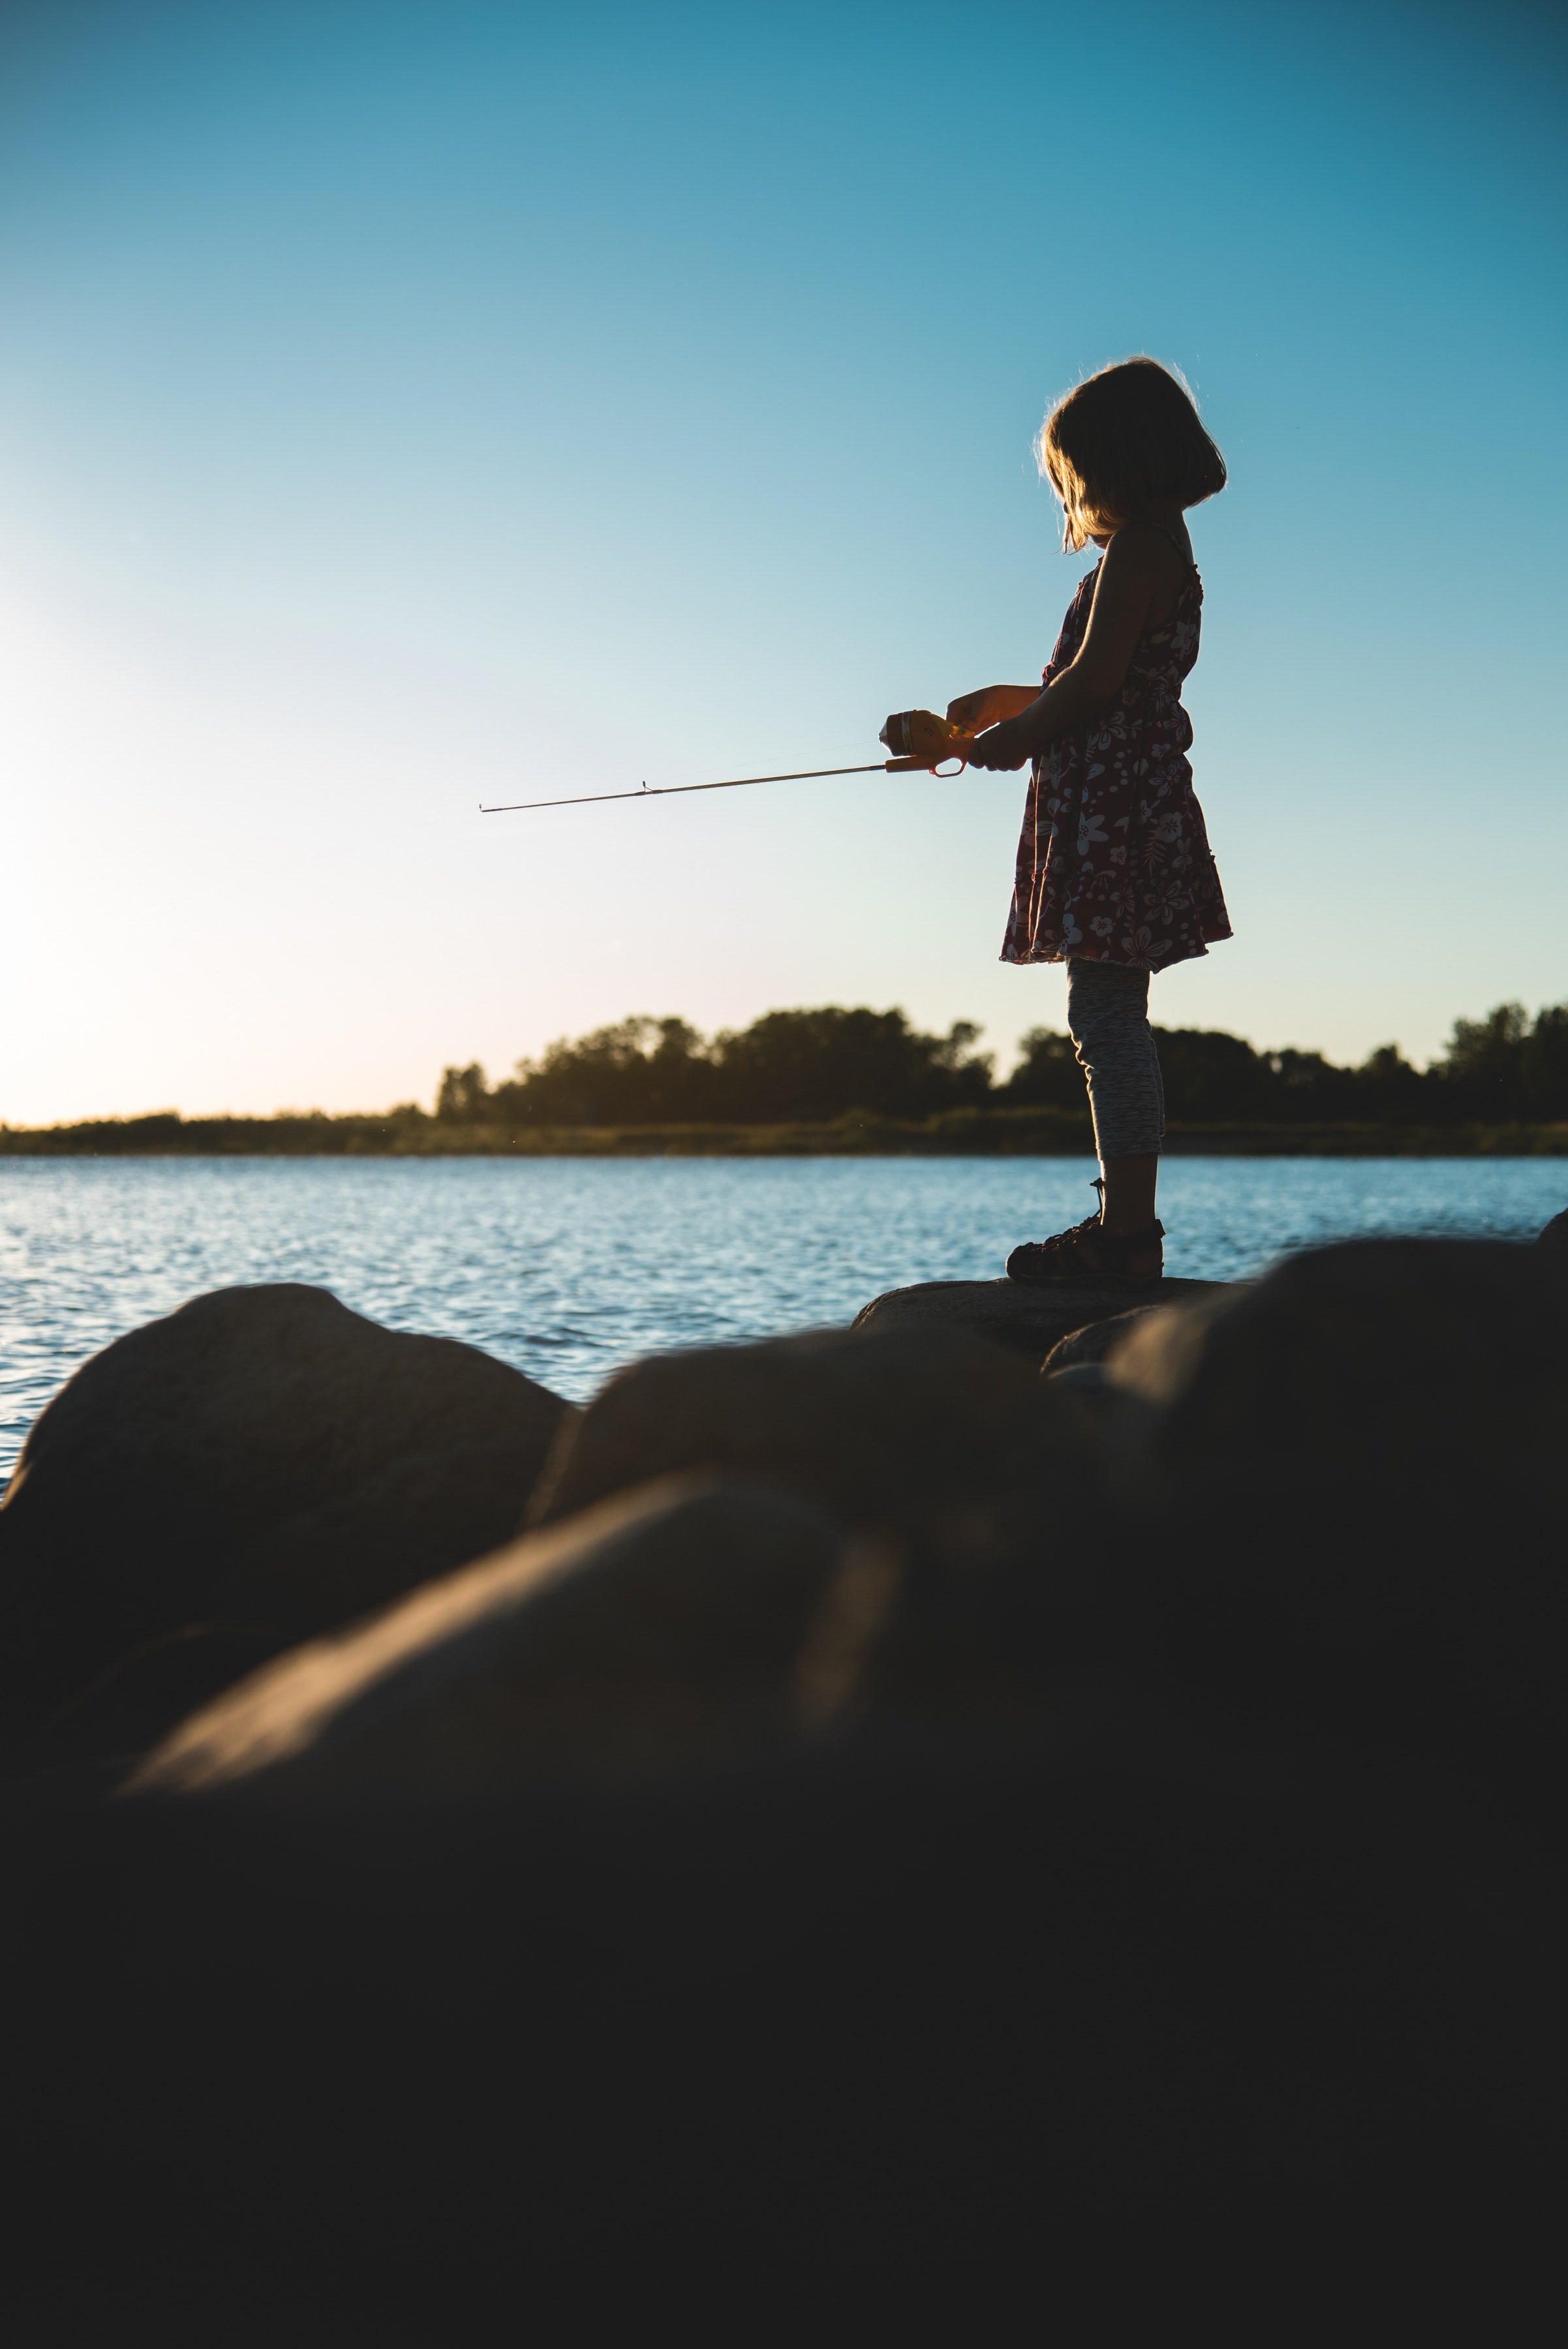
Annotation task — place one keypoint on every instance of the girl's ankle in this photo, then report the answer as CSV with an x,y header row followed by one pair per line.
x,y
1140,1258
1126,1187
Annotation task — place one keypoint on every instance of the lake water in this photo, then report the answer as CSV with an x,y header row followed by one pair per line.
x,y
569,1267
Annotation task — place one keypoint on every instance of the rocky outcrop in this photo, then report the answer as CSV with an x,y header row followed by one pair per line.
x,y
1413,1363
1356,1466
886,1838
1092,1344
887,1425
1028,1319
263,1460
968,1470
659,1632
1555,1234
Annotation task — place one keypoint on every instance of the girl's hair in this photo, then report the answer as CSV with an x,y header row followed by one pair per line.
x,y
1121,441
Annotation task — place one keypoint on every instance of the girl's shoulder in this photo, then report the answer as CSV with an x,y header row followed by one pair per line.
x,y
1146,561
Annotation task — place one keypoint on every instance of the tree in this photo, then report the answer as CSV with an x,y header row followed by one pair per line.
x,y
1048,1075
464,1097
787,1065
1387,1091
1483,1069
1546,1064
818,1065
1209,1074
631,1071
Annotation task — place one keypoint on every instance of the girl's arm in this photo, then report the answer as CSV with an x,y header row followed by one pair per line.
x,y
990,706
1137,568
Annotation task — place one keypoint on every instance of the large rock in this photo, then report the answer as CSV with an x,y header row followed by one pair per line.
x,y
979,1473
263,1459
858,2022
1421,1361
1554,1234
927,1431
1027,1318
604,1929
884,1427
659,1631
1092,1345
1357,1471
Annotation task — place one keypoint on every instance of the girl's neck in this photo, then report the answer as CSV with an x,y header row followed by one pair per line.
x,y
1165,515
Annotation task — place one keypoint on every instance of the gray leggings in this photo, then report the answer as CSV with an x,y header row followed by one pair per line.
x,y
1107,1018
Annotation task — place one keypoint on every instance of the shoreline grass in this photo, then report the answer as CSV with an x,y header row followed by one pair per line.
x,y
960,1133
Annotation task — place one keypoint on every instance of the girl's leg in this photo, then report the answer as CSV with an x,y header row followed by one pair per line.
x,y
1108,1015
1127,1201
1107,1018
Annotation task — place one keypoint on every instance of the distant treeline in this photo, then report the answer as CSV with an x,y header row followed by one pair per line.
x,y
859,1080
815,1066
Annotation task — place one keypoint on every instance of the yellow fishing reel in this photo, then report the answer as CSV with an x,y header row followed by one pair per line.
x,y
919,739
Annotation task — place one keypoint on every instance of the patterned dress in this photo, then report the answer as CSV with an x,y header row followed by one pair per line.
x,y
1113,863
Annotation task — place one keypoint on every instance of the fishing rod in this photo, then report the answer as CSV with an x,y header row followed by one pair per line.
x,y
922,742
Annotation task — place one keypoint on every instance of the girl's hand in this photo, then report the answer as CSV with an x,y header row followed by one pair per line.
x,y
990,706
1001,747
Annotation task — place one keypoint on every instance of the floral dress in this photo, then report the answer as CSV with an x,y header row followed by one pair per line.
x,y
1113,863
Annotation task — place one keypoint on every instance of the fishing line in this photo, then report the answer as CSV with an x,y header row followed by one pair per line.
x,y
926,740
666,791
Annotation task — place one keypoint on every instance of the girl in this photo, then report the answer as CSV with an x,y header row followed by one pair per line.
x,y
1115,875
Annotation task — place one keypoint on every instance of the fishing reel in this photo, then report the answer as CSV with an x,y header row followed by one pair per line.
x,y
919,739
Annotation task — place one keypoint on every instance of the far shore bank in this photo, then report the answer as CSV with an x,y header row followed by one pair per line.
x,y
978,1132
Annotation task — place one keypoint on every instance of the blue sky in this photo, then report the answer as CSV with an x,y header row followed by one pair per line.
x,y
407,406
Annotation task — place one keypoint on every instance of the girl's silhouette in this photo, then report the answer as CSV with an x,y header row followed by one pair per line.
x,y
1115,875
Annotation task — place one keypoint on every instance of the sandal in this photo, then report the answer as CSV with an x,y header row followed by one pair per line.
x,y
1088,1255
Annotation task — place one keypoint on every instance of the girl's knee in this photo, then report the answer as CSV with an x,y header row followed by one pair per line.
x,y
1114,1017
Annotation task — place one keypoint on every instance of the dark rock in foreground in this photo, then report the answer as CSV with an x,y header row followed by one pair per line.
x,y
1356,1467
888,1426
1140,1998
262,1461
1093,1345
1027,1318
940,1852
968,1472
654,1634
